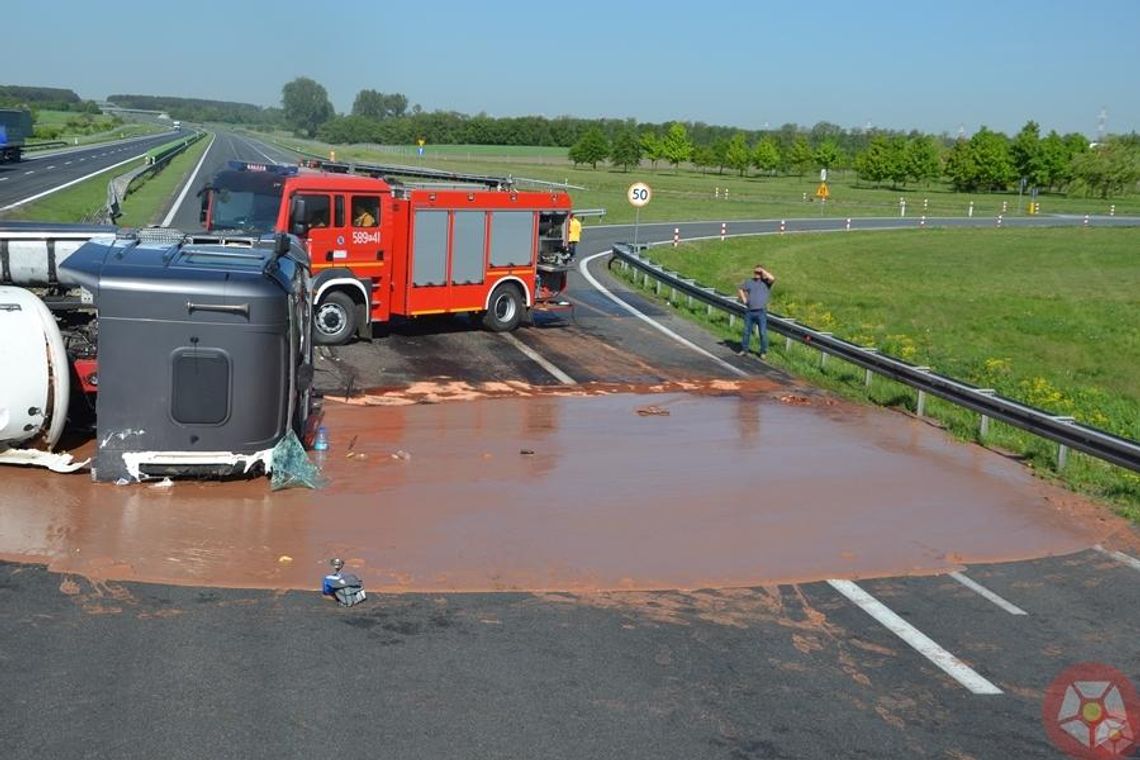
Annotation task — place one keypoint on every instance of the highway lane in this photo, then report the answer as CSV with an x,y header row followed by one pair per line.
x,y
227,146
41,173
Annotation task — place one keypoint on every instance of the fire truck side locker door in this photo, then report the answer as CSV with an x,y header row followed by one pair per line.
x,y
428,291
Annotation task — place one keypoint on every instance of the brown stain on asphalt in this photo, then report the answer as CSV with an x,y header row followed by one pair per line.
x,y
733,488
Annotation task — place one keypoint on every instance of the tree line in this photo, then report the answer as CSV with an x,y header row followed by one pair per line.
x,y
203,110
44,99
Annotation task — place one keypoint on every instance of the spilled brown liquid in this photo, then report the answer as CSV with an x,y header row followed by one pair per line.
x,y
570,492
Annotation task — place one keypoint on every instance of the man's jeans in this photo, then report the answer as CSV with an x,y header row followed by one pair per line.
x,y
760,319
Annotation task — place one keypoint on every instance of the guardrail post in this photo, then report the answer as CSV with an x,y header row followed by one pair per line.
x,y
970,210
657,287
868,375
920,403
1062,449
823,354
788,338
984,422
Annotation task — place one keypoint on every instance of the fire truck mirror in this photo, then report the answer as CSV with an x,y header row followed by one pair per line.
x,y
298,221
204,210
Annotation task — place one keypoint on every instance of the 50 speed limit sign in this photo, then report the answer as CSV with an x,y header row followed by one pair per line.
x,y
639,194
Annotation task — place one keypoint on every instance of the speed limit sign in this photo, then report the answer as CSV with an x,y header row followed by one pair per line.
x,y
639,194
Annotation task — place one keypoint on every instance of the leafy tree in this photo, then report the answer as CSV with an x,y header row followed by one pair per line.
x,y
1056,162
626,151
703,157
677,147
1026,153
720,154
1109,169
737,154
982,163
766,157
874,164
306,105
379,105
827,155
800,155
923,163
591,148
652,148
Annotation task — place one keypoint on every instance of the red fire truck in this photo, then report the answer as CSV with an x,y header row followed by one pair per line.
x,y
390,241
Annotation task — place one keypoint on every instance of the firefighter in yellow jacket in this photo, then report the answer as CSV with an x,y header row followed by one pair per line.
x,y
573,235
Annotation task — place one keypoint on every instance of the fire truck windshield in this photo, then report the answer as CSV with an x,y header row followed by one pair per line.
x,y
245,201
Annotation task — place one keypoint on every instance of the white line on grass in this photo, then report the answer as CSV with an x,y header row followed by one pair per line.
x,y
984,592
539,359
582,267
186,187
1119,557
919,641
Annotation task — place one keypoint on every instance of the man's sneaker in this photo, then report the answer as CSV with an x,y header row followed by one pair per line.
x,y
742,352
763,356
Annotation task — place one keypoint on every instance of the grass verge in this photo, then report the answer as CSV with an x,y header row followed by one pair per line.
x,y
1043,316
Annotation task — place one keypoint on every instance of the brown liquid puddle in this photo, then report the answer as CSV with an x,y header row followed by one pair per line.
x,y
733,486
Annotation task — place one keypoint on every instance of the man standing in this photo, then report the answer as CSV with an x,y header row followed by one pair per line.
x,y
573,235
754,295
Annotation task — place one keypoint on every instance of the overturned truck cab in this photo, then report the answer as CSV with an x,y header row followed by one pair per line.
x,y
204,352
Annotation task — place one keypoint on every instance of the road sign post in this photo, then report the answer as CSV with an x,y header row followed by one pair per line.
x,y
638,195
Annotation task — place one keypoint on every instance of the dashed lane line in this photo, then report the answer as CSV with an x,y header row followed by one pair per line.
x,y
539,359
919,641
1120,557
985,593
582,267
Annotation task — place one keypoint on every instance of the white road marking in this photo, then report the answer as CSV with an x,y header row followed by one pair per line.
x,y
85,177
539,359
3,179
984,592
662,328
1119,557
166,222
67,163
51,167
919,641
33,171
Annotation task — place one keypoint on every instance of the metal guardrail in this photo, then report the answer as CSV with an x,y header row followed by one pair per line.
x,y
1065,431
44,145
156,159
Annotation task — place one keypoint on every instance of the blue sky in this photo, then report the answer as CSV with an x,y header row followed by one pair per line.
x,y
897,65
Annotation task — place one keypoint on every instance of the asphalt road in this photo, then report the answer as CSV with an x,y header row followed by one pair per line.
x,y
40,173
103,669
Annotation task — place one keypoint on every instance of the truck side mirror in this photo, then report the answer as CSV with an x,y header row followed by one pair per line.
x,y
204,209
298,221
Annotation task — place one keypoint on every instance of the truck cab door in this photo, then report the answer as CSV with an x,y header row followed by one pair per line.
x,y
367,250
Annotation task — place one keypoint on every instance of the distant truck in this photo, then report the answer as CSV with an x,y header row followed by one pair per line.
x,y
176,125
15,129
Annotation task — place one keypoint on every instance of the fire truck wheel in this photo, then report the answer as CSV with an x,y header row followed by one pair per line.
x,y
506,309
335,320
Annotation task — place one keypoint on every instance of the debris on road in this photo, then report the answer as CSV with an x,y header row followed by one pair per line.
x,y
653,410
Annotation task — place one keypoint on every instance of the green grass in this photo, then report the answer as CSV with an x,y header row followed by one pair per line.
x,y
685,194
106,129
144,206
1048,317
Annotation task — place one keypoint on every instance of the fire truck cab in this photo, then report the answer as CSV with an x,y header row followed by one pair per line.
x,y
381,248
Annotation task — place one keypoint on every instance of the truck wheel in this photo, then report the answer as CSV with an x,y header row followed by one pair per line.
x,y
335,319
506,309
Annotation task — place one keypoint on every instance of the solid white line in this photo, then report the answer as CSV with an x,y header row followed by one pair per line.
x,y
683,341
919,641
539,359
33,171
982,591
51,167
1119,557
85,177
186,188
